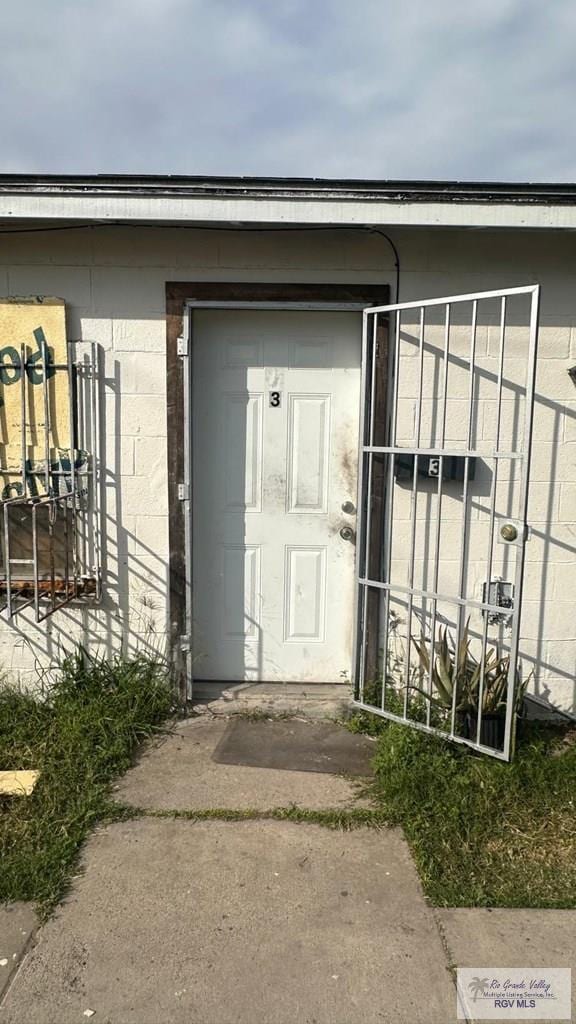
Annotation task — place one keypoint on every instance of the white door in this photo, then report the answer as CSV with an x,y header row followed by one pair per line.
x,y
275,440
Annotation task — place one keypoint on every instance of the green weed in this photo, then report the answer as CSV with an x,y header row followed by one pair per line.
x,y
80,736
482,832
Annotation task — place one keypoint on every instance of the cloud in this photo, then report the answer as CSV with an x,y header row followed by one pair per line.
x,y
480,90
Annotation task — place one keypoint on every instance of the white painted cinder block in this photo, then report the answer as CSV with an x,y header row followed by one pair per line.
x,y
143,415
567,512
120,455
142,373
143,334
150,535
72,248
165,247
570,420
93,328
139,493
150,459
128,292
69,283
114,284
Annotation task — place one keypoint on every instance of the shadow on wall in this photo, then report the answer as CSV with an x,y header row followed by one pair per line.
x,y
132,615
133,611
547,645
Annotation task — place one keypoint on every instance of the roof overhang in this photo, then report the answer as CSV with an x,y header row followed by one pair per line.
x,y
285,201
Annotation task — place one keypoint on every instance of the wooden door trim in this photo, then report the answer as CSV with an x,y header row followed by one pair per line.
x,y
178,293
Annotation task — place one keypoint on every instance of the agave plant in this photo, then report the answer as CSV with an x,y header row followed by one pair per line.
x,y
459,679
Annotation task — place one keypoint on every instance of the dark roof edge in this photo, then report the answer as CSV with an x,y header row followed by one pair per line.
x,y
289,188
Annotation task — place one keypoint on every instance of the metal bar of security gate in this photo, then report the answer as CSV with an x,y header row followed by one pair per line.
x,y
445,566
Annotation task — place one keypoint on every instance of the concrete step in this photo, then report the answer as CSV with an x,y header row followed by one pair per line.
x,y
313,700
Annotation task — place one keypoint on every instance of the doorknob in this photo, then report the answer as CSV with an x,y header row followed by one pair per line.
x,y
347,533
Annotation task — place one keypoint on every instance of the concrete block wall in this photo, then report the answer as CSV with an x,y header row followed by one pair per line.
x,y
113,281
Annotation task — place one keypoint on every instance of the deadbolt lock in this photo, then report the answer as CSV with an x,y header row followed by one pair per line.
x,y
347,533
508,532
349,508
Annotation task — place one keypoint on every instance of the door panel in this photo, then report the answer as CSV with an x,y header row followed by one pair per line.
x,y
308,453
275,435
305,604
243,475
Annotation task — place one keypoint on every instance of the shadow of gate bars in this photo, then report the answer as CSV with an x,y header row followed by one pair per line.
x,y
446,436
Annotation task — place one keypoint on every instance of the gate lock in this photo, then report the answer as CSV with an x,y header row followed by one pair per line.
x,y
498,592
512,532
508,532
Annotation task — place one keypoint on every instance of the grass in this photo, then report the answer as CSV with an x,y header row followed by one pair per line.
x,y
80,736
482,832
344,819
258,715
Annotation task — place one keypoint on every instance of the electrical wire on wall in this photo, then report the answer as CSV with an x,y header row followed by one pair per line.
x,y
216,227
377,231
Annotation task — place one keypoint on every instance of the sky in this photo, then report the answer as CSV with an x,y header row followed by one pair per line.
x,y
476,89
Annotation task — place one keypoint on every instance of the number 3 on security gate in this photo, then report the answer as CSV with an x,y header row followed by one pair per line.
x,y
275,399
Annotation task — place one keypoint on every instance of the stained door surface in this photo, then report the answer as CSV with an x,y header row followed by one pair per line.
x,y
275,437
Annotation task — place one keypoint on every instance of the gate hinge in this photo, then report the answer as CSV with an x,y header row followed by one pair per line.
x,y
183,492
182,346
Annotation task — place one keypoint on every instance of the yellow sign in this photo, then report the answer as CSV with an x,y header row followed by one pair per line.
x,y
34,394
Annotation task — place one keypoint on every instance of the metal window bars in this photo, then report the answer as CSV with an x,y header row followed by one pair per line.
x,y
448,396
50,534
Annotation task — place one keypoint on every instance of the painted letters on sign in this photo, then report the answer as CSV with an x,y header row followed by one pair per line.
x,y
34,394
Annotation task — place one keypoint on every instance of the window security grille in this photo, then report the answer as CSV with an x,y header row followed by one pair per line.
x,y
50,511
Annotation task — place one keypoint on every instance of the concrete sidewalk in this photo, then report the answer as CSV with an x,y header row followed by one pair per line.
x,y
174,921
18,923
179,772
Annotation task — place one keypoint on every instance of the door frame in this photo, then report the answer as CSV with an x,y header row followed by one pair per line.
x,y
182,297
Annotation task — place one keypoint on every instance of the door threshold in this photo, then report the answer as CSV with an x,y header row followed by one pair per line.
x,y
211,686
317,700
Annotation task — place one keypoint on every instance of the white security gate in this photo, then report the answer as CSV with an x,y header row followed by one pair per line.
x,y
448,390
